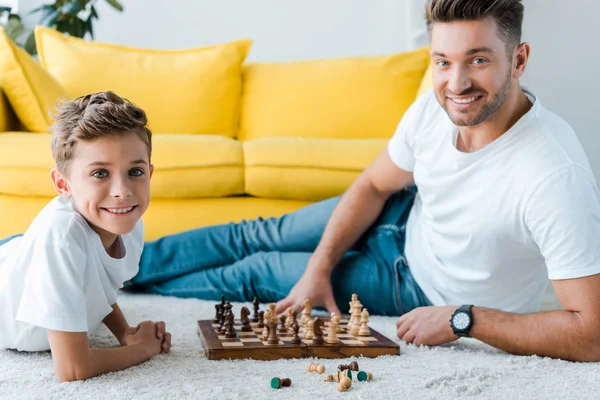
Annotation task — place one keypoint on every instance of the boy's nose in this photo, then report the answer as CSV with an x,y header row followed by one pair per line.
x,y
120,190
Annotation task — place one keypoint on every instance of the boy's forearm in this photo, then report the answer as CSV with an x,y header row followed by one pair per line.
x,y
116,323
558,334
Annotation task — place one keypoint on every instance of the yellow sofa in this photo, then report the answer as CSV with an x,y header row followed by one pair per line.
x,y
290,134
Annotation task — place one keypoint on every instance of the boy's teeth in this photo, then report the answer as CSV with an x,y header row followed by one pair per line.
x,y
119,210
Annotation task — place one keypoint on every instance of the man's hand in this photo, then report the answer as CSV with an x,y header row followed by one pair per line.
x,y
161,334
428,326
314,286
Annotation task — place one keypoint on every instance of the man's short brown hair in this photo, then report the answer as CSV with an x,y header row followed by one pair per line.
x,y
508,15
92,117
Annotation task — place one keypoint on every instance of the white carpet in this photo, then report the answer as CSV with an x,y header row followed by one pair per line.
x,y
465,369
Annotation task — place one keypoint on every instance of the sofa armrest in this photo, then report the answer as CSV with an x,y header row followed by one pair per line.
x,y
8,120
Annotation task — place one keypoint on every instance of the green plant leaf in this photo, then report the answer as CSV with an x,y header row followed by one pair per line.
x,y
71,8
45,7
14,28
93,12
30,44
88,27
115,4
78,28
4,9
49,17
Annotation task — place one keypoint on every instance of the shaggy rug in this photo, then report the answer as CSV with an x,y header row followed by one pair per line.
x,y
464,369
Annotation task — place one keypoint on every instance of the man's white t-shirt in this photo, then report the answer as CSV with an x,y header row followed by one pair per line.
x,y
58,276
490,227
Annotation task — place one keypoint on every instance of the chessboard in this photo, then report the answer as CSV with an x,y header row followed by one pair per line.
x,y
250,344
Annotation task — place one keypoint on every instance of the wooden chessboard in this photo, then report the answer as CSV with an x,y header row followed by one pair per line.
x,y
250,345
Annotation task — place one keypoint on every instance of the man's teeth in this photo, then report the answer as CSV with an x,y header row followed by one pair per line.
x,y
120,210
464,101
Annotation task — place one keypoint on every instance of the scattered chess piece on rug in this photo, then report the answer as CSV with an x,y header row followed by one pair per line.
x,y
296,338
345,384
318,330
245,318
261,319
338,375
363,376
230,332
277,383
273,339
364,320
332,333
256,304
314,367
353,366
282,327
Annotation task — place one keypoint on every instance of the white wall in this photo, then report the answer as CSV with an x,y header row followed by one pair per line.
x,y
562,35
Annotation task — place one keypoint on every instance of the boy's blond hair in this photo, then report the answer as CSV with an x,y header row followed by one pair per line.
x,y
92,117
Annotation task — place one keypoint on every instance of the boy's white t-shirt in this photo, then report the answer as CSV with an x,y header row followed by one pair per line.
x,y
59,276
490,227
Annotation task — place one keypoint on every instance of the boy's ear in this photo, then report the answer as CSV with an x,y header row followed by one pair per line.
x,y
61,184
151,170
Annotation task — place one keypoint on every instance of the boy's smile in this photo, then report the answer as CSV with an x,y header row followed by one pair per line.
x,y
108,181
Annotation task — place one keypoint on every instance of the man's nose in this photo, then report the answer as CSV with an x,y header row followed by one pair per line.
x,y
459,81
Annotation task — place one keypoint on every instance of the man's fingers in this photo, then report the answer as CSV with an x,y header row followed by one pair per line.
x,y
331,306
402,329
283,305
409,336
160,329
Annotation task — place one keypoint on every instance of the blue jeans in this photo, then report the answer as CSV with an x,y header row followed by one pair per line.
x,y
266,257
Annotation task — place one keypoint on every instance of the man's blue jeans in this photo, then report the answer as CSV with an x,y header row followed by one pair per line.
x,y
266,257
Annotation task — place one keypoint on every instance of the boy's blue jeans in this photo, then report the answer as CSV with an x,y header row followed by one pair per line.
x,y
266,257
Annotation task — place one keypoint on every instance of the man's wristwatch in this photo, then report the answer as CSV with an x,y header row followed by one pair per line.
x,y
462,321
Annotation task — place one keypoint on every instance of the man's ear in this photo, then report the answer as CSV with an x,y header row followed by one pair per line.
x,y
151,170
61,184
521,56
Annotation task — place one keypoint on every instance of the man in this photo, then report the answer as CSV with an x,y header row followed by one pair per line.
x,y
506,198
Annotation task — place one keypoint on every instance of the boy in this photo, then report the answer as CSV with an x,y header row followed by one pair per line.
x,y
59,280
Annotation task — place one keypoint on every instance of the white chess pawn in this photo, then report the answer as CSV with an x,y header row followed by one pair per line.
x,y
290,317
273,314
332,334
309,332
356,318
336,317
307,311
364,320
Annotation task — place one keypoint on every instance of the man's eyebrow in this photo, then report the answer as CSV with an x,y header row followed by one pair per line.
x,y
106,164
468,53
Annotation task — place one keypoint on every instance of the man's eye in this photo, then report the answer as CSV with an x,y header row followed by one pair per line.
x,y
100,174
136,172
442,63
480,61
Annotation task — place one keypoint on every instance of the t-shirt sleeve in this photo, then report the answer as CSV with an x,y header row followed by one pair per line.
x,y
401,145
563,216
53,293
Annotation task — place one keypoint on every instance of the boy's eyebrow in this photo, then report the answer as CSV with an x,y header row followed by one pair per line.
x,y
468,53
106,164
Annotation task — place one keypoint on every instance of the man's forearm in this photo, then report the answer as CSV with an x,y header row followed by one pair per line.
x,y
558,334
358,208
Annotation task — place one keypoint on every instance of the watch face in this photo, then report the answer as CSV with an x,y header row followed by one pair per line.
x,y
461,321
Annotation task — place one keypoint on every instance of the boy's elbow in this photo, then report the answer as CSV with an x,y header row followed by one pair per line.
x,y
72,374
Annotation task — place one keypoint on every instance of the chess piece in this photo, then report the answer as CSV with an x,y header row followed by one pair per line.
x,y
277,383
307,305
345,384
309,330
273,339
229,329
282,327
296,337
265,332
364,376
338,376
353,366
332,334
245,318
335,317
261,319
355,319
222,313
256,304
290,317
217,317
364,320
267,316
351,320
314,367
272,312
318,330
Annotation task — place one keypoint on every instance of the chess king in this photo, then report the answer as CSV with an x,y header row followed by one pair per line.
x,y
479,197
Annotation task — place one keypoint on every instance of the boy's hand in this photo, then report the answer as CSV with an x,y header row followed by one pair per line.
x,y
161,334
129,332
146,336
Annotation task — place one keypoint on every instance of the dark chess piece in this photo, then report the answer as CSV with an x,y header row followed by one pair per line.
x,y
256,305
261,319
273,339
282,327
222,314
318,329
223,300
229,329
246,327
353,366
295,329
265,332
217,317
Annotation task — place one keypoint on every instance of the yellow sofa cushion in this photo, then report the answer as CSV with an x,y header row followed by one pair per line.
x,y
427,82
30,90
186,166
343,98
306,169
182,91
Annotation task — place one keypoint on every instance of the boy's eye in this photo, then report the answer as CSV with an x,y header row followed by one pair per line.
x,y
136,172
101,174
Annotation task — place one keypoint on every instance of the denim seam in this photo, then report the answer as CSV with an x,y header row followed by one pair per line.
x,y
176,269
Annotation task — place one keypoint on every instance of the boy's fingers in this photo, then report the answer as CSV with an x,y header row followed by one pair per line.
x,y
160,329
166,345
